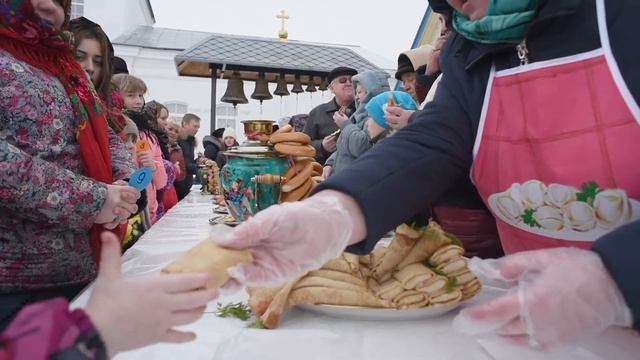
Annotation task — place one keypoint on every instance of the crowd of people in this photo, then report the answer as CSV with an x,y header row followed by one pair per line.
x,y
483,127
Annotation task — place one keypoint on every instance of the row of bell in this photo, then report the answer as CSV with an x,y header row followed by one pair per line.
x,y
235,89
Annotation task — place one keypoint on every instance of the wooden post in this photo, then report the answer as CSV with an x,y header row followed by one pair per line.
x,y
214,74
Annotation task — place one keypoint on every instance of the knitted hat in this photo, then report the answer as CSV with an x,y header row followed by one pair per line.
x,y
130,128
410,60
229,132
375,106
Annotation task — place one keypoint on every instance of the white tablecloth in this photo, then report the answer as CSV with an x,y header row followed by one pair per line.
x,y
304,335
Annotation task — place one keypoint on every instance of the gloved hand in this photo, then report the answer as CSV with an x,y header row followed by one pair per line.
x,y
288,239
139,311
558,297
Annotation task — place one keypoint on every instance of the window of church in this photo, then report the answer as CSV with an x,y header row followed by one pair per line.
x,y
77,8
177,107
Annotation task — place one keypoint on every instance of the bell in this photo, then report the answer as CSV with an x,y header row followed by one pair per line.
x,y
262,89
312,86
281,89
297,86
324,85
235,91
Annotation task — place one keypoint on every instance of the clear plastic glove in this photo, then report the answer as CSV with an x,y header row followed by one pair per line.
x,y
133,312
558,297
119,204
286,240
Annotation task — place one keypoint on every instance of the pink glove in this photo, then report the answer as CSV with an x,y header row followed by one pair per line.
x,y
558,297
286,240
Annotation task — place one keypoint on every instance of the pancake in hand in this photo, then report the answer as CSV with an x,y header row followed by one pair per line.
x,y
207,257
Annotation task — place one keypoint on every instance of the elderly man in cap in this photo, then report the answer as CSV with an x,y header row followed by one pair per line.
x,y
320,125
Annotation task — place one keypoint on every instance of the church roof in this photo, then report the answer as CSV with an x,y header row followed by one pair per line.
x,y
248,54
235,52
161,38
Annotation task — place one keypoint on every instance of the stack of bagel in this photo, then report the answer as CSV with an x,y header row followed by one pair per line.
x,y
420,268
304,173
211,178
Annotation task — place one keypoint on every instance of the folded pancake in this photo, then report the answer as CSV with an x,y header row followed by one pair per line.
x,y
411,299
337,264
338,276
365,259
208,257
446,254
332,296
471,288
376,255
403,241
261,298
365,272
317,281
465,277
271,317
373,285
447,298
412,275
389,289
454,266
434,286
431,239
353,261
385,277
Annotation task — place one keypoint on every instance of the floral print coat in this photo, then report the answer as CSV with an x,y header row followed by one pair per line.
x,y
48,206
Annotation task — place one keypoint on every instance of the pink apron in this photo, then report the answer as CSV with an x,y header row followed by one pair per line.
x,y
557,155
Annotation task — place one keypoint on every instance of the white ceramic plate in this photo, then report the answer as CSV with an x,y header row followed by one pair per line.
x,y
220,221
220,209
364,313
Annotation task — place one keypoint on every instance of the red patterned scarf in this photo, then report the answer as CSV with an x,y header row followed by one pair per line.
x,y
35,41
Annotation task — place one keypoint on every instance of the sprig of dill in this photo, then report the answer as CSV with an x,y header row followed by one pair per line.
x,y
236,310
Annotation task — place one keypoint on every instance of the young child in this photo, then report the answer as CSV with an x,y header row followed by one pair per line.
x,y
141,222
228,141
132,90
377,126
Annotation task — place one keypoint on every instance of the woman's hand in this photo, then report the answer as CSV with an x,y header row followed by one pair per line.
x,y
145,159
119,205
133,312
397,117
327,171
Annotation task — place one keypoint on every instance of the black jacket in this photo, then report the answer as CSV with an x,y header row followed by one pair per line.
x,y
320,125
188,150
212,145
429,161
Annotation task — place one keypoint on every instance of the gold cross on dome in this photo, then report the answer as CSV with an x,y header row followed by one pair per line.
x,y
282,16
283,34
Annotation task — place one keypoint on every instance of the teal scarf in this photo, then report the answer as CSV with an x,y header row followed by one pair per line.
x,y
506,21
